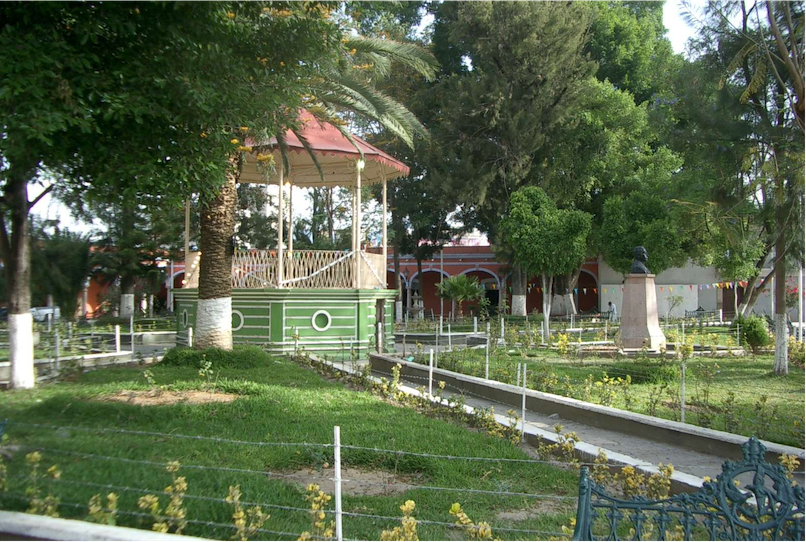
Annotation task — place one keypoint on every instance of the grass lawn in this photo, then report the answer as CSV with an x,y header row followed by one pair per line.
x,y
722,393
278,402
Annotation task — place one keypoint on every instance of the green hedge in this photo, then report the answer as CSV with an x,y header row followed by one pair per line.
x,y
241,357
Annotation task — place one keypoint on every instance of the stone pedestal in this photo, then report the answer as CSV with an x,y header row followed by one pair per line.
x,y
639,314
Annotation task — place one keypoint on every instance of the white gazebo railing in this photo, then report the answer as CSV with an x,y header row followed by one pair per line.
x,y
308,269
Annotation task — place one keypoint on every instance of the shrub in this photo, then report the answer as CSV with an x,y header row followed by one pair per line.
x,y
796,352
753,331
654,372
241,357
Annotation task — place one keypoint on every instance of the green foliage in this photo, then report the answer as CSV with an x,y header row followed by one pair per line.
x,y
645,219
544,239
753,331
240,357
515,70
60,264
460,288
654,372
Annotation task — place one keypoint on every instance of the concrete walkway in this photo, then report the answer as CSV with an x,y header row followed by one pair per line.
x,y
690,466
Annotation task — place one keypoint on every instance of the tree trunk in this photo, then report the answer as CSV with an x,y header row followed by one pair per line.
x,y
781,366
547,294
502,297
16,253
518,291
753,292
126,297
214,311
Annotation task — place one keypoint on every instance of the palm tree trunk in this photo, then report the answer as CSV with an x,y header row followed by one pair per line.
x,y
214,311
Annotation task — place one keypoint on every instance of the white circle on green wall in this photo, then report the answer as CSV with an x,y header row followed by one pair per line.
x,y
321,320
237,320
185,318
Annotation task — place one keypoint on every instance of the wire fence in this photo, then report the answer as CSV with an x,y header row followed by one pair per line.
x,y
25,430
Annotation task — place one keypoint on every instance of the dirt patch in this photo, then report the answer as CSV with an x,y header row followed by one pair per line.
x,y
353,481
542,508
156,398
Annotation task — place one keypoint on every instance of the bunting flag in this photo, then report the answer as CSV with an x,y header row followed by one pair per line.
x,y
604,290
661,288
594,290
576,291
671,288
622,288
584,291
691,287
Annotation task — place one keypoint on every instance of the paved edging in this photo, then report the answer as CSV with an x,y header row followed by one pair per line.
x,y
22,526
700,439
681,482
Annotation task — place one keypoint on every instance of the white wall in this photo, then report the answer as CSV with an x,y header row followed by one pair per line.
x,y
683,281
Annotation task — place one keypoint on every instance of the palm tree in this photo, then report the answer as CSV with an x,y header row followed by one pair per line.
x,y
345,86
460,288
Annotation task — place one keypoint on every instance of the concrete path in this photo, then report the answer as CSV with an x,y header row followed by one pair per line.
x,y
619,446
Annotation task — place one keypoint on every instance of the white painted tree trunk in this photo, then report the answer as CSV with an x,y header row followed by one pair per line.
x,y
126,305
21,350
213,324
547,295
781,345
518,305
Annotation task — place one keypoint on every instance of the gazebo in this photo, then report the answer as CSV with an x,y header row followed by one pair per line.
x,y
325,301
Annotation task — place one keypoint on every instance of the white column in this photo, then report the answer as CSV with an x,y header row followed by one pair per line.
x,y
359,165
280,212
290,216
384,239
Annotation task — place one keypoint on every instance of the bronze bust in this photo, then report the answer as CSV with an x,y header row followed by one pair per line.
x,y
638,264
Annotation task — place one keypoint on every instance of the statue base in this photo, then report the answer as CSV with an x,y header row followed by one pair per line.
x,y
639,314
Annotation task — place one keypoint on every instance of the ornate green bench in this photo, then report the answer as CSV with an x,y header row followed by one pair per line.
x,y
750,500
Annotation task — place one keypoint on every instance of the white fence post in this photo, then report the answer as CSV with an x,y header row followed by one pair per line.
x,y
450,339
190,336
720,316
502,330
523,404
475,324
56,351
683,394
606,320
117,338
683,334
487,359
488,329
337,478
131,324
738,336
379,340
440,324
430,372
518,376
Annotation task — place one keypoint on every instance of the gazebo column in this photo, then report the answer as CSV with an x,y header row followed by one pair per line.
x,y
290,217
280,219
359,165
384,240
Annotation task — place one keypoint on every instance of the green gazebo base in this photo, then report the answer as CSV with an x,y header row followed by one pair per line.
x,y
332,322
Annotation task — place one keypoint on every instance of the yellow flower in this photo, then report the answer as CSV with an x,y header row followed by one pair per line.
x,y
244,128
231,15
234,141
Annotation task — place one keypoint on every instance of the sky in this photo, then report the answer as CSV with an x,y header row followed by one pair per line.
x,y
678,33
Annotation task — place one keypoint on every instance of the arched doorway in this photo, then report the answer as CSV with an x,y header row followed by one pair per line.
x,y
488,281
430,279
587,294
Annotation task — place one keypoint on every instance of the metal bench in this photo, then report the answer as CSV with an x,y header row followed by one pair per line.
x,y
750,500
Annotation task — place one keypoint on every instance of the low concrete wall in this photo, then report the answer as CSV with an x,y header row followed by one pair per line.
x,y
45,368
710,441
19,526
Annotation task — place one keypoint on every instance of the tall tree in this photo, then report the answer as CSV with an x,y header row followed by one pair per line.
x,y
513,77
143,98
757,48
